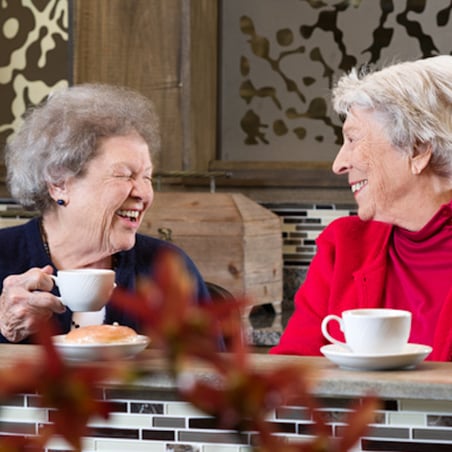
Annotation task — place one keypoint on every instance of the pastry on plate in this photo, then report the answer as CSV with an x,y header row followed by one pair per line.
x,y
101,334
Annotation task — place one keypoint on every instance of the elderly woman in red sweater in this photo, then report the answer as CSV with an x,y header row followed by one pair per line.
x,y
397,253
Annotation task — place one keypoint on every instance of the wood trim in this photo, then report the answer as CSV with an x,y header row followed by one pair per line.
x,y
203,74
278,174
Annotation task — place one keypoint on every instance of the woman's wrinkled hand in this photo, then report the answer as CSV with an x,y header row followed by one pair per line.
x,y
26,302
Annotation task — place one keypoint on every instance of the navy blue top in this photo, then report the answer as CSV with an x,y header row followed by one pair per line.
x,y
22,247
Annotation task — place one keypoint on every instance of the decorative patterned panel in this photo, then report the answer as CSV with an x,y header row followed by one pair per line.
x,y
34,58
280,58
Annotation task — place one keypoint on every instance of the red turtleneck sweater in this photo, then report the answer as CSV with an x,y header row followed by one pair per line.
x,y
419,274
371,264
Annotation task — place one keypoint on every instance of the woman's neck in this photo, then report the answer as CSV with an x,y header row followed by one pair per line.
x,y
424,201
66,253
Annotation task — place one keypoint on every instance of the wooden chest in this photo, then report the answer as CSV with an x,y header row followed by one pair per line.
x,y
235,242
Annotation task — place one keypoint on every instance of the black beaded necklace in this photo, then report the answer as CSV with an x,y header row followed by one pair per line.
x,y
45,242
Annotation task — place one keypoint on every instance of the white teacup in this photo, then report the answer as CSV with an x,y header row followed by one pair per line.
x,y
372,331
85,289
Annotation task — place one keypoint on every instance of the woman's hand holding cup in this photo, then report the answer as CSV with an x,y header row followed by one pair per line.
x,y
26,302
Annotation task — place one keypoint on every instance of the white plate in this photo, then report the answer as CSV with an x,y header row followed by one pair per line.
x,y
412,355
90,352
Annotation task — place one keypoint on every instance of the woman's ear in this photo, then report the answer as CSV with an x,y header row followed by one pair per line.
x,y
422,154
58,191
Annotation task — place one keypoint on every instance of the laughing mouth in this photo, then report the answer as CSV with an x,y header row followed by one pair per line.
x,y
131,215
357,186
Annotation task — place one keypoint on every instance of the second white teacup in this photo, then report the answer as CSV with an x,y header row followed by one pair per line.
x,y
371,331
85,289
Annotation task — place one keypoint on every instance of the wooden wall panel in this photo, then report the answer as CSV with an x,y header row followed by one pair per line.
x,y
167,50
136,42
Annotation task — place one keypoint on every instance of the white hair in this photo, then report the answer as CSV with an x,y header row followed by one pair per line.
x,y
60,136
413,100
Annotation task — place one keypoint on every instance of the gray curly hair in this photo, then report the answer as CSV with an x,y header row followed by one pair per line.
x,y
60,136
413,100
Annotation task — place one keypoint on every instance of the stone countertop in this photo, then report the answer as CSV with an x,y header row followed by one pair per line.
x,y
429,380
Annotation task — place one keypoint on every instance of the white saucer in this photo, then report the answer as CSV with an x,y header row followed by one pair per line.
x,y
91,352
344,358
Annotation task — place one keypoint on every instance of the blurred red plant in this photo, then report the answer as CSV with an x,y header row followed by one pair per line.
x,y
72,391
239,397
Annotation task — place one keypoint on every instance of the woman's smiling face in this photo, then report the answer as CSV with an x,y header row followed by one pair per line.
x,y
379,174
111,197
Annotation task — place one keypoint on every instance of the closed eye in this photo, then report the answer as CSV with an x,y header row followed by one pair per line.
x,y
123,176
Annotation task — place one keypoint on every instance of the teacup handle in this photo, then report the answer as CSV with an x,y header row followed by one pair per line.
x,y
55,280
325,328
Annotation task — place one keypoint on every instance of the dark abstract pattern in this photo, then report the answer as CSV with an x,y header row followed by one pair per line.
x,y
34,56
280,59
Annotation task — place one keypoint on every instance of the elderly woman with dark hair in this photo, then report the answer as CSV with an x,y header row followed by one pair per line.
x,y
397,253
83,160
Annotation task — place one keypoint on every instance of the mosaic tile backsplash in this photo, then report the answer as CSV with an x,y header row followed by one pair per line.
x,y
146,419
301,224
